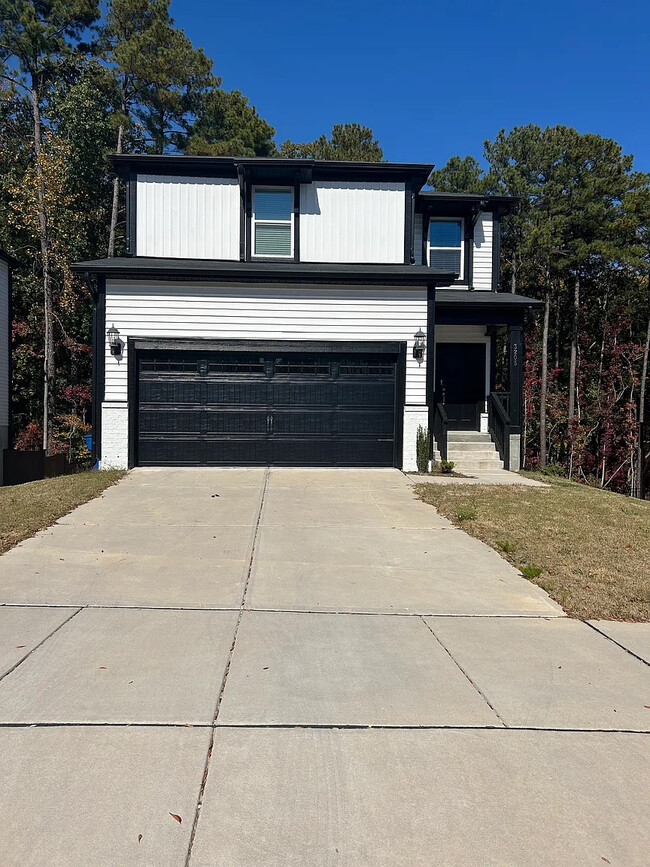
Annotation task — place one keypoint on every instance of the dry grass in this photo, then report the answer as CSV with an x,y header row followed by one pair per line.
x,y
26,509
589,549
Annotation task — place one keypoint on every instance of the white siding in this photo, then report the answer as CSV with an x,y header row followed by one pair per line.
x,y
352,222
261,313
4,350
483,252
188,218
417,239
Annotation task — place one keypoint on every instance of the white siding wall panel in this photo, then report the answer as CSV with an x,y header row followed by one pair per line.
x,y
352,222
417,238
4,351
483,252
254,313
188,218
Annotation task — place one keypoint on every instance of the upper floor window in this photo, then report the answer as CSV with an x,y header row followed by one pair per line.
x,y
446,245
272,222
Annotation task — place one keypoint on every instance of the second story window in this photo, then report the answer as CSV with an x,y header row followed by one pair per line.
x,y
446,246
272,224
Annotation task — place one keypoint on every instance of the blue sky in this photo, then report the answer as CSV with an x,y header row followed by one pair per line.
x,y
434,79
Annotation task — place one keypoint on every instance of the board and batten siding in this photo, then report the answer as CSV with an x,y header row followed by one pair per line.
x,y
352,222
417,238
482,266
4,353
162,309
187,217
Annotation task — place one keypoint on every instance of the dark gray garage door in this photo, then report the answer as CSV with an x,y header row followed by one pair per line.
x,y
306,409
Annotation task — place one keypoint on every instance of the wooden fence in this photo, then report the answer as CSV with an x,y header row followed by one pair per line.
x,y
21,467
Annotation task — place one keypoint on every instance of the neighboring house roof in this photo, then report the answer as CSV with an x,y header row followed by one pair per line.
x,y
210,269
277,168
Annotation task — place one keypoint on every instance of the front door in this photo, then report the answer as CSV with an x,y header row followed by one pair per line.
x,y
460,383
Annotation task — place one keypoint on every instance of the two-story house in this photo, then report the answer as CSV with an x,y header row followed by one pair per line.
x,y
300,312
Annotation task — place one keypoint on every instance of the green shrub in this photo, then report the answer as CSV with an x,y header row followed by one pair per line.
x,y
530,571
467,511
422,449
447,467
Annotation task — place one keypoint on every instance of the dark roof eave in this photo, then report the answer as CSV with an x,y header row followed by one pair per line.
x,y
140,267
454,297
429,201
228,166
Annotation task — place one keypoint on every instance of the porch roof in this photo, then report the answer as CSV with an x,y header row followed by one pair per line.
x,y
508,300
462,307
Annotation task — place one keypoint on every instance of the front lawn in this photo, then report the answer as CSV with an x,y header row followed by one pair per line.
x,y
26,509
589,549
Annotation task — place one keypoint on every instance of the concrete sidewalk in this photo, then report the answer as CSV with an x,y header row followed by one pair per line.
x,y
305,667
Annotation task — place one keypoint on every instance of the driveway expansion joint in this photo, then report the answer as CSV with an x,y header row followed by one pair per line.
x,y
242,607
48,636
459,666
617,643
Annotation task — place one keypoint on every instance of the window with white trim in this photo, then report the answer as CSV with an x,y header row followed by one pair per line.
x,y
446,245
272,222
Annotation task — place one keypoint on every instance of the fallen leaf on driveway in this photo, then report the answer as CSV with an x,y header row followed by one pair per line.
x,y
19,646
139,837
177,817
102,666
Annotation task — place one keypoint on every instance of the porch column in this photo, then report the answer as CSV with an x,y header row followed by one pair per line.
x,y
516,377
515,338
431,362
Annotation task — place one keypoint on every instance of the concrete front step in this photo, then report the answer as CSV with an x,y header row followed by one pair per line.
x,y
476,466
472,448
462,436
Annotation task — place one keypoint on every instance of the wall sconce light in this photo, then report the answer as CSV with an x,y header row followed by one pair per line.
x,y
419,346
114,342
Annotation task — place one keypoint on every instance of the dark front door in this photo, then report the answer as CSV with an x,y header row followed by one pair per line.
x,y
460,382
225,408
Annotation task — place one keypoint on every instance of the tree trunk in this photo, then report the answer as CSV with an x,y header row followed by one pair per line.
x,y
49,370
557,331
644,371
640,462
544,383
116,196
574,350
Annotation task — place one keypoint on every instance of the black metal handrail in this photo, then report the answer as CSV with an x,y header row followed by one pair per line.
x,y
499,424
440,428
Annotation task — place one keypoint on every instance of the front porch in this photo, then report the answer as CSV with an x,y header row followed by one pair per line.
x,y
476,381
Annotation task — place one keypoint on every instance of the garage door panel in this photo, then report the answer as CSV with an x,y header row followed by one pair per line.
x,y
231,452
154,451
169,391
379,424
237,393
236,421
299,422
366,394
169,420
235,408
304,394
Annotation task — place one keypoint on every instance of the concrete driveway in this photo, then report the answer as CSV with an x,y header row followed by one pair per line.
x,y
292,667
